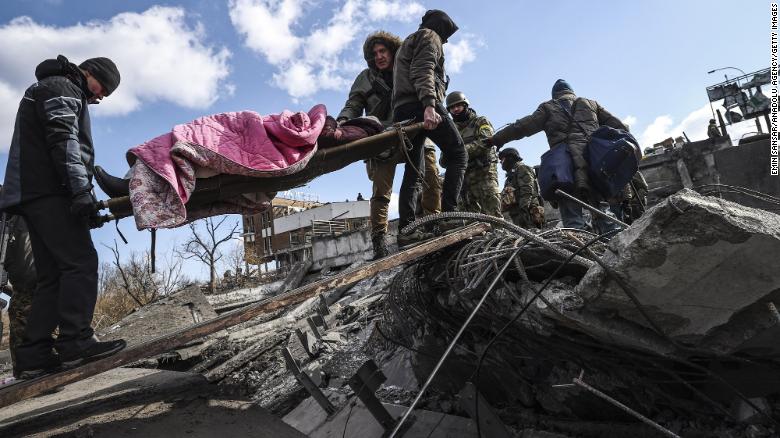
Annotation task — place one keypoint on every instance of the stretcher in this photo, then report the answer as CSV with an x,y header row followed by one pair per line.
x,y
210,190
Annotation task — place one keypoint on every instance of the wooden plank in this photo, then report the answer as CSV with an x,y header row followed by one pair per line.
x,y
160,345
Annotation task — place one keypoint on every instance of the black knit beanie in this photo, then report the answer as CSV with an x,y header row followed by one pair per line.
x,y
105,71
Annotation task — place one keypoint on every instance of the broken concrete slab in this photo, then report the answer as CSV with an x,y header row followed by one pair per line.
x,y
355,421
105,392
242,297
181,310
682,259
295,276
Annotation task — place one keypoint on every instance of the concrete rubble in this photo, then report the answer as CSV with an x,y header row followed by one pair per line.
x,y
679,324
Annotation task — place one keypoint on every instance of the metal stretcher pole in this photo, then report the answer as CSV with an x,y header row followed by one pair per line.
x,y
324,161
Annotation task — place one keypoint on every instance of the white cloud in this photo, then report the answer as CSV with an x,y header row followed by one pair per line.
x,y
395,10
265,26
629,121
160,54
461,52
323,57
694,125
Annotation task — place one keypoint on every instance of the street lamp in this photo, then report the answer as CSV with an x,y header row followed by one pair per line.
x,y
726,68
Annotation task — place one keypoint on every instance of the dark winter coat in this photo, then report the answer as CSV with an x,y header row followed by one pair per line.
x,y
418,73
551,118
51,149
372,90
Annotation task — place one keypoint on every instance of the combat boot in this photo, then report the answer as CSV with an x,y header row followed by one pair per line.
x,y
380,246
416,236
441,228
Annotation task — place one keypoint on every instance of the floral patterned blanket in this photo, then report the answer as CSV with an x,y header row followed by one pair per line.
x,y
241,143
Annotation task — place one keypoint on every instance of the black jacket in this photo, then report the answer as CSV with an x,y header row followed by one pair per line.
x,y
51,149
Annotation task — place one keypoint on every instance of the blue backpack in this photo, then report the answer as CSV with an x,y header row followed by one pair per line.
x,y
556,172
613,157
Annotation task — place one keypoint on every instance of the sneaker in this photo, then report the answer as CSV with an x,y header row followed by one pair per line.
x,y
380,246
416,236
95,351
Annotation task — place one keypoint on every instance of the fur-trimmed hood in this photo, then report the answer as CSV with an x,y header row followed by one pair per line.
x,y
392,42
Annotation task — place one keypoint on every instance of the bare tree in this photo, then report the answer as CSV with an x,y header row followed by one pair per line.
x,y
234,257
135,277
204,246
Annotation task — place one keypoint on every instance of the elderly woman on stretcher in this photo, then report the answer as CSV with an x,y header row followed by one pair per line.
x,y
164,170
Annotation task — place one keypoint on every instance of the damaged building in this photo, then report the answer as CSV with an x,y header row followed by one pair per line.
x,y
669,328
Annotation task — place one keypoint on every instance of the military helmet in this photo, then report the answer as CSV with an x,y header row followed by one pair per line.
x,y
509,153
455,98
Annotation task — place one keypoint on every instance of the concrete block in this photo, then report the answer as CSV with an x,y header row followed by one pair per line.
x,y
693,262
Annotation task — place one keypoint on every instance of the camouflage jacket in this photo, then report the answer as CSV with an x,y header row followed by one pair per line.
x,y
474,130
520,190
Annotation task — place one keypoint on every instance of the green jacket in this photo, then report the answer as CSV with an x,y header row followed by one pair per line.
x,y
551,118
474,130
371,92
522,180
418,73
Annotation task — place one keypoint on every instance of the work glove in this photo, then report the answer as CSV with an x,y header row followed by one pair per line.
x,y
84,204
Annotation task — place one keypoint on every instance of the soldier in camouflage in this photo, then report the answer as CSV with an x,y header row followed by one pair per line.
x,y
520,197
479,193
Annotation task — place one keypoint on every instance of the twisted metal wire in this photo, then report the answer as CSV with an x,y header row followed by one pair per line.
x,y
437,294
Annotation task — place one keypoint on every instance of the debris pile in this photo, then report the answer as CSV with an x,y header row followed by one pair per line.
x,y
668,328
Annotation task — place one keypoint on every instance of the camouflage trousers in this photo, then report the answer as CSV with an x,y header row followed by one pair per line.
x,y
382,174
20,265
480,191
522,216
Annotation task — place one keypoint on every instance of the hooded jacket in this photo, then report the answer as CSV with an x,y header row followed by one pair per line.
x,y
372,90
51,149
551,117
418,73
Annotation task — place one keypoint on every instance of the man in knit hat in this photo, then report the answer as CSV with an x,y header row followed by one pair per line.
x,y
567,119
48,181
420,85
371,93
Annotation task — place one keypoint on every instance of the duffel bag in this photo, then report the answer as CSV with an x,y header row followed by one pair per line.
x,y
556,172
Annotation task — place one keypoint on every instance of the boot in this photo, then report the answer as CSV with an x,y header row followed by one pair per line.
x,y
113,187
380,246
416,236
445,227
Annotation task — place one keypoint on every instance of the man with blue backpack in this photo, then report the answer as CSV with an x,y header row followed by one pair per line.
x,y
569,122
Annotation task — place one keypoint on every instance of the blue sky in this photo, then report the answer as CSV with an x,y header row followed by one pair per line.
x,y
646,62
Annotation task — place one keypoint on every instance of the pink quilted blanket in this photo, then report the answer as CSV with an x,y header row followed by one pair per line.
x,y
242,143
